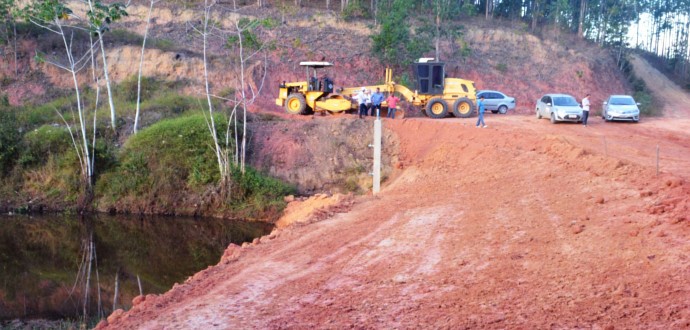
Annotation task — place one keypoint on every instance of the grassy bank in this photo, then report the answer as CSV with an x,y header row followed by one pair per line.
x,y
169,167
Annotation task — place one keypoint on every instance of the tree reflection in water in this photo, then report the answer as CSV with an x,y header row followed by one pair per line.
x,y
48,262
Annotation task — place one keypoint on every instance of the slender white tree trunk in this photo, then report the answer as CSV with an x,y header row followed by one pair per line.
x,y
243,102
87,170
212,123
141,66
107,82
105,72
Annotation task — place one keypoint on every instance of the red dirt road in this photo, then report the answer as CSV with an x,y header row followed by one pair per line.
x,y
520,225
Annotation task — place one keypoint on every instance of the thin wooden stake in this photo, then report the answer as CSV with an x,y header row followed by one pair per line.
x,y
606,148
657,160
141,292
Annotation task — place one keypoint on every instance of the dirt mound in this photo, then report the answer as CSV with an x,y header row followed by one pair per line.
x,y
314,208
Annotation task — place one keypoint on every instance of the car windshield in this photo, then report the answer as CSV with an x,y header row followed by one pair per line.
x,y
564,101
622,101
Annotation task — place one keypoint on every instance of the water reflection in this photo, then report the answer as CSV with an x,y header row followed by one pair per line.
x,y
51,265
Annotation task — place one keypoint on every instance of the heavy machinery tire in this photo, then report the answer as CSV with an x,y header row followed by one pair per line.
x,y
553,118
296,104
437,108
463,108
538,114
503,109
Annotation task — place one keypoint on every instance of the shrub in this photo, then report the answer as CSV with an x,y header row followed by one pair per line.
x,y
468,9
255,194
9,140
131,176
648,106
355,9
175,157
42,142
170,154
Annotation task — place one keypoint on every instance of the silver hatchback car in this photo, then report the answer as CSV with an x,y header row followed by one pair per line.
x,y
559,107
620,107
496,101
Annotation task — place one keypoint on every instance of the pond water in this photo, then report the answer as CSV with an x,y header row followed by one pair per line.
x,y
60,267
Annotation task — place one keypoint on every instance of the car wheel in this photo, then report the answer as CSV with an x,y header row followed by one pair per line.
x,y
553,118
538,114
502,109
437,108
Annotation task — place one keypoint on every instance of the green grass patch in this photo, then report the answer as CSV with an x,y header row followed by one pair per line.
x,y
176,156
171,154
42,142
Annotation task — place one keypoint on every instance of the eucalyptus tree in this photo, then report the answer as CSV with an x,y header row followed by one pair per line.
x,y
100,16
245,46
141,63
53,16
443,11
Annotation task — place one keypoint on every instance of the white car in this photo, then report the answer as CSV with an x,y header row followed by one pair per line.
x,y
496,101
620,107
559,107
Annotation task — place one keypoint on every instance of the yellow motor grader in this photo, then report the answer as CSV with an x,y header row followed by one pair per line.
x,y
433,92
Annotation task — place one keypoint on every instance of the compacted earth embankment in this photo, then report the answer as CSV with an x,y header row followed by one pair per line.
x,y
523,223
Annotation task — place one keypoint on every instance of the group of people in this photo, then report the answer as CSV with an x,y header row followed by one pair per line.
x,y
370,103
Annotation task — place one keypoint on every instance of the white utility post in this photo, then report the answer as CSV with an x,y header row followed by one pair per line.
x,y
377,154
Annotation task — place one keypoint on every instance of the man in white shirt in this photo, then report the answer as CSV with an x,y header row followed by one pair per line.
x,y
362,101
585,110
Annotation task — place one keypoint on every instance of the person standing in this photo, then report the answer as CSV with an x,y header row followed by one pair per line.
x,y
376,100
392,102
368,103
585,110
362,101
480,110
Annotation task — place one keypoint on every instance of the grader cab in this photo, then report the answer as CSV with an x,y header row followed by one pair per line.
x,y
314,94
436,91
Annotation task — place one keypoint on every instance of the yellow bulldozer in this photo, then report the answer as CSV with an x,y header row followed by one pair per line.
x,y
434,92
